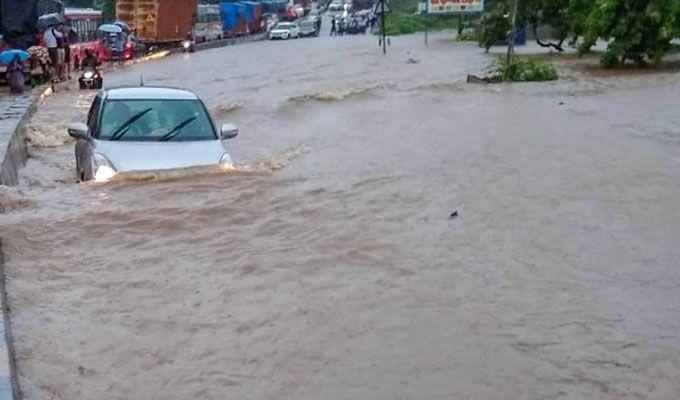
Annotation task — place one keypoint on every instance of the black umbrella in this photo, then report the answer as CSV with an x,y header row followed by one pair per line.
x,y
49,20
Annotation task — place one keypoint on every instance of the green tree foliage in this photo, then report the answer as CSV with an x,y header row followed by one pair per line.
x,y
554,13
637,30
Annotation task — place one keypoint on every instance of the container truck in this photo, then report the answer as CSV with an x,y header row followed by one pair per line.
x,y
253,15
234,19
158,22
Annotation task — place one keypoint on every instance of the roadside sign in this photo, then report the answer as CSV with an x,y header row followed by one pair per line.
x,y
455,6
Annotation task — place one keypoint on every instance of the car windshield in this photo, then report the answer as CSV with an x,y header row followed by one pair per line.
x,y
283,26
155,120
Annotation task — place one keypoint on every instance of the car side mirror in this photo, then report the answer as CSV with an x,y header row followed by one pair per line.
x,y
79,130
228,131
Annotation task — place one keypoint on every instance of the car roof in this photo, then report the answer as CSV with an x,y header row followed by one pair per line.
x,y
148,93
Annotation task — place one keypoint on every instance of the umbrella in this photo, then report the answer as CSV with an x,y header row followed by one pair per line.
x,y
123,26
49,20
7,56
111,28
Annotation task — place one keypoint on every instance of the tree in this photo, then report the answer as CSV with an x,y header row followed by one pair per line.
x,y
554,13
108,8
637,30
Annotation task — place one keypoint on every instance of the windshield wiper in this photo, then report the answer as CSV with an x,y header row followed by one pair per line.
x,y
126,126
176,130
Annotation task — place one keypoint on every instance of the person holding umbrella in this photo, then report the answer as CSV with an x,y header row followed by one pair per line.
x,y
15,74
53,38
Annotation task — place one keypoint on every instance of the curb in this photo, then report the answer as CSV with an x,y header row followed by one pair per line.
x,y
9,381
14,150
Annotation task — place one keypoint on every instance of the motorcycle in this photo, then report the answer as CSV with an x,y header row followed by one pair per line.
x,y
91,79
188,46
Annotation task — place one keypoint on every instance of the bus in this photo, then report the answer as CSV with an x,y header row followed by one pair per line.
x,y
85,22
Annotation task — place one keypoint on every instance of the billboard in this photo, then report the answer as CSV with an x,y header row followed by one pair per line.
x,y
455,6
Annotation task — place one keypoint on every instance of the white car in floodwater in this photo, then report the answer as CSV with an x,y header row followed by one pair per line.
x,y
147,128
285,30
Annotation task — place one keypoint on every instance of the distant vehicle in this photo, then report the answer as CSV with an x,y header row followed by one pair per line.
x,y
157,22
309,26
147,128
135,46
208,33
356,26
84,22
336,6
285,30
209,23
188,46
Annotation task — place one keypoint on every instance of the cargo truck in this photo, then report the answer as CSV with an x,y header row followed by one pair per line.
x,y
158,22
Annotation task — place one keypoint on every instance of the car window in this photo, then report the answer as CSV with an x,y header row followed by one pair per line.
x,y
155,120
93,115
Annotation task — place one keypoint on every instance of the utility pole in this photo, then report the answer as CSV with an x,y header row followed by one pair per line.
x,y
382,23
513,32
427,19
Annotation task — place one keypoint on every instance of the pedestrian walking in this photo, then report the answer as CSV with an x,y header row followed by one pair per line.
x,y
334,27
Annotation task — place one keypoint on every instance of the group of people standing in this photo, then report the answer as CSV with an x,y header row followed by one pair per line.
x,y
57,42
340,26
49,63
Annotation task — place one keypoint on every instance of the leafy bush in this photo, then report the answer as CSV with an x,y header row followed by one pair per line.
x,y
524,69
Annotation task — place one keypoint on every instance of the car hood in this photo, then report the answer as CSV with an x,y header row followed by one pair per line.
x,y
143,156
280,31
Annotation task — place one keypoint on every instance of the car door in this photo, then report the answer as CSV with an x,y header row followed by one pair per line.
x,y
295,30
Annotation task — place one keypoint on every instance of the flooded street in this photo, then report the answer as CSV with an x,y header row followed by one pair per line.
x,y
327,267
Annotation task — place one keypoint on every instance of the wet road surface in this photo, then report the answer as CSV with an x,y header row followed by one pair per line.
x,y
327,265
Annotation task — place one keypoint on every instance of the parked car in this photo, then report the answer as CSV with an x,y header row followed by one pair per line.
x,y
147,128
285,30
209,33
308,27
336,6
356,26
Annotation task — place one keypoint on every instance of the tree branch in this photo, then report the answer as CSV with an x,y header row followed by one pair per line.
x,y
556,46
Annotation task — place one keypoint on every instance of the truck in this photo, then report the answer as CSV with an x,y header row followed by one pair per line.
x,y
158,22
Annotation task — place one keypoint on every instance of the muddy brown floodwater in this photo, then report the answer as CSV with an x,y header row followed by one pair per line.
x,y
327,267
